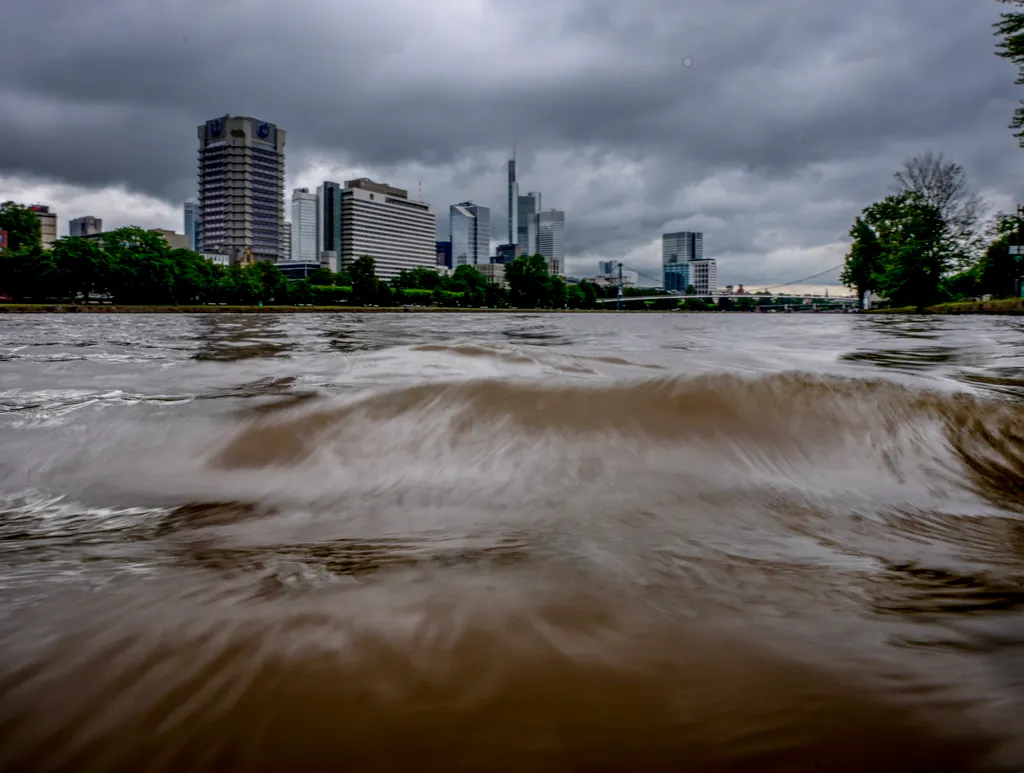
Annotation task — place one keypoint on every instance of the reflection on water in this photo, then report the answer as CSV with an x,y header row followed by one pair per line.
x,y
238,337
511,542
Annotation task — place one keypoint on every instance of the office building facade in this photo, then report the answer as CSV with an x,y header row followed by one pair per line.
x,y
513,203
676,276
287,238
682,246
607,267
678,251
191,218
551,239
470,232
328,222
380,221
704,277
85,226
506,253
493,273
241,188
304,230
527,209
444,254
47,225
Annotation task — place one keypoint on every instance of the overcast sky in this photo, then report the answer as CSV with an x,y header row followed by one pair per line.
x,y
767,125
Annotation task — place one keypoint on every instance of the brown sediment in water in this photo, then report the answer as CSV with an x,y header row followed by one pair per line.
x,y
569,683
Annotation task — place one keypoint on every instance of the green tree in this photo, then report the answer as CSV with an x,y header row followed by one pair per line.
x,y
863,261
322,277
471,283
496,296
527,278
998,272
197,278
141,267
364,280
24,230
300,293
574,297
27,273
1010,28
274,284
81,267
589,295
915,250
557,293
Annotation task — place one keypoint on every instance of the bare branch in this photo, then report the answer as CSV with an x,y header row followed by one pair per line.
x,y
944,185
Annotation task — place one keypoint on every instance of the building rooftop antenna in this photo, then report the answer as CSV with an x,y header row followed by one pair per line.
x,y
420,183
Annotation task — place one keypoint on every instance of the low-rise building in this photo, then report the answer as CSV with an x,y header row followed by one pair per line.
x,y
298,269
175,240
493,272
610,280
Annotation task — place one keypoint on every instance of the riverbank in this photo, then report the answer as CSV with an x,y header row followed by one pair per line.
x,y
1012,306
41,308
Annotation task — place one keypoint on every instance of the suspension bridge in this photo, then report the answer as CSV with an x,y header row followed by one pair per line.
x,y
807,299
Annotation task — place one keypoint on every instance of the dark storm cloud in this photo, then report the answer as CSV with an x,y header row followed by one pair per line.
x,y
792,116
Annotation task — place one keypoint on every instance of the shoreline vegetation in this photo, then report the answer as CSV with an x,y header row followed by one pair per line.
x,y
1006,307
1009,306
67,308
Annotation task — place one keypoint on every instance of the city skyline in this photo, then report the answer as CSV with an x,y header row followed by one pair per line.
x,y
612,139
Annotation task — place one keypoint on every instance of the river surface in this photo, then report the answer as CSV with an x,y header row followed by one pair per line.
x,y
505,542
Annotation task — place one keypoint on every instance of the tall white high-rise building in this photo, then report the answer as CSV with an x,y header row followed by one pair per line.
x,y
551,239
304,222
470,233
379,221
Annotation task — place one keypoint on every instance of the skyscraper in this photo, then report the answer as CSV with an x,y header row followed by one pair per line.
x,y
677,251
328,222
241,188
304,232
470,234
287,237
526,237
191,211
551,239
513,201
85,226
